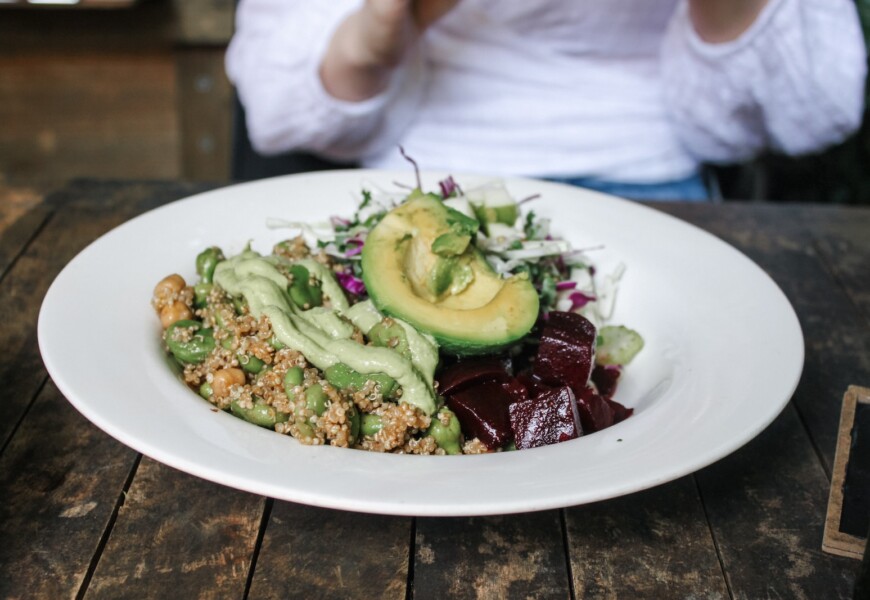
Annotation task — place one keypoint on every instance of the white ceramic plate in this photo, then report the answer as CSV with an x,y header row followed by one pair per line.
x,y
723,355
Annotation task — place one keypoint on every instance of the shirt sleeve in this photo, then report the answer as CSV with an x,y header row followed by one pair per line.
x,y
273,61
793,82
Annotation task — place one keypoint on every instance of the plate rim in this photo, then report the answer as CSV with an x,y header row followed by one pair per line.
x,y
379,506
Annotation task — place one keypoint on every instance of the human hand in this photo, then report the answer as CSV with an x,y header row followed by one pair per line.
x,y
372,41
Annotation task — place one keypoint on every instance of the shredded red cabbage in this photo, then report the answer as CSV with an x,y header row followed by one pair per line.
x,y
579,300
448,187
351,283
566,285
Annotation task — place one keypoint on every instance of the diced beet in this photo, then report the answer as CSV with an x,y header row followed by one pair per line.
x,y
534,386
566,351
515,389
605,378
620,412
467,372
482,410
595,412
549,418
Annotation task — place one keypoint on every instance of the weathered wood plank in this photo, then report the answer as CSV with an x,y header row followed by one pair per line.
x,y
23,288
515,556
311,553
842,237
130,197
15,235
653,544
88,114
60,480
81,217
766,504
178,536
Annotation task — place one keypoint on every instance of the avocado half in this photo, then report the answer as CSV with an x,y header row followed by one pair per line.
x,y
454,294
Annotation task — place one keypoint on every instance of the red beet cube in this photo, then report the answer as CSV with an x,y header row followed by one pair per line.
x,y
482,411
549,418
595,412
567,350
467,372
605,379
620,412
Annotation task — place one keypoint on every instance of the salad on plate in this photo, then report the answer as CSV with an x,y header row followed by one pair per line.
x,y
443,322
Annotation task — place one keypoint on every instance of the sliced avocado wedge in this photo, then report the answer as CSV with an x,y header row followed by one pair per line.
x,y
458,299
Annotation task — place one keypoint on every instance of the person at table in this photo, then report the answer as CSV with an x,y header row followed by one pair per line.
x,y
625,96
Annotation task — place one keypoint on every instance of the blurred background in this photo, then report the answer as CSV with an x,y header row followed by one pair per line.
x,y
136,89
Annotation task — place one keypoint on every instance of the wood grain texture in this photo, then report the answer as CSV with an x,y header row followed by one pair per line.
x,y
60,480
517,556
86,114
311,553
85,210
653,544
843,240
178,536
24,286
17,232
766,504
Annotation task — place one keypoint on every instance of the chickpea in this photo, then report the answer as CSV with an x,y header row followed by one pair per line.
x,y
224,379
169,286
176,311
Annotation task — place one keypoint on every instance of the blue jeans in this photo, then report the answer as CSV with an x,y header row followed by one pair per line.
x,y
691,188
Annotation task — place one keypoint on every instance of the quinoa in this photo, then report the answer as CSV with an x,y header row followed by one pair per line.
x,y
245,349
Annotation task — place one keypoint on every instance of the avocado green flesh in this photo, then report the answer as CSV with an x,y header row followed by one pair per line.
x,y
321,335
483,314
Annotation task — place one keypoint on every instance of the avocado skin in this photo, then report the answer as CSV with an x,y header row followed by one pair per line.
x,y
488,314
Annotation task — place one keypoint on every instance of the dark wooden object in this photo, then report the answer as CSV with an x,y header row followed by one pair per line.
x,y
83,516
132,92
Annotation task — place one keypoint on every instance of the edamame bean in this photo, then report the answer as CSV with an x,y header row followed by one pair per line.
x,y
300,297
389,334
201,292
302,292
206,261
192,349
344,378
250,363
276,343
293,378
446,436
354,418
240,305
259,414
305,428
205,390
315,399
371,424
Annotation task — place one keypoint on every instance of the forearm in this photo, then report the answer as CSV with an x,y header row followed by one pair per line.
x,y
719,21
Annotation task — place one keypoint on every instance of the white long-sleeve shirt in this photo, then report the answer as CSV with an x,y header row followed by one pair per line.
x,y
623,90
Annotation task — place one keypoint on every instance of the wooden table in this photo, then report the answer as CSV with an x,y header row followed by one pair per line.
x,y
84,516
